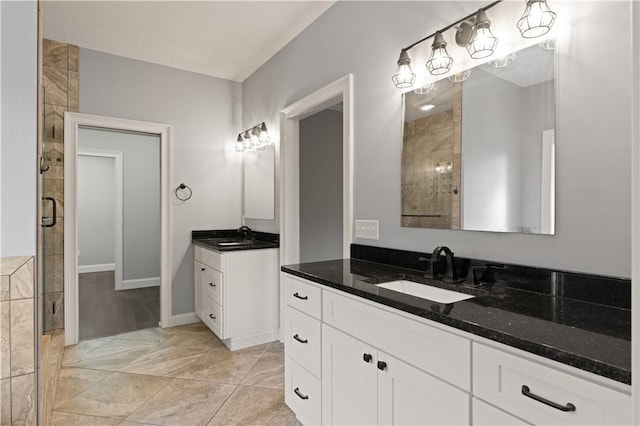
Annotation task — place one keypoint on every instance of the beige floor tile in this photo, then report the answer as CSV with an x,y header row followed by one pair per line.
x,y
221,365
193,336
254,406
70,419
269,370
148,335
196,404
112,356
129,423
73,354
73,381
117,396
163,361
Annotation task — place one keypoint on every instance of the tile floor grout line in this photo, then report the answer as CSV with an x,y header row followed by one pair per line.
x,y
222,405
149,399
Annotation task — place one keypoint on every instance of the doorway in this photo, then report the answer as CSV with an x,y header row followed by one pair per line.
x,y
117,226
340,91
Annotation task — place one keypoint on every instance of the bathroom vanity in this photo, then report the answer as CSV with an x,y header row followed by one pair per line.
x,y
359,353
236,286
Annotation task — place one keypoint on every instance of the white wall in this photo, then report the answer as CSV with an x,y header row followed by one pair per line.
x,y
593,131
321,187
140,194
96,210
18,208
205,116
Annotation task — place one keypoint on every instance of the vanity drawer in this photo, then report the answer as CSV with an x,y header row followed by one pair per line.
x,y
213,316
518,386
208,257
438,352
303,296
302,339
302,393
213,284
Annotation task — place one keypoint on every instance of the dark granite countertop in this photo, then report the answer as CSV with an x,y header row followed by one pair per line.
x,y
226,240
589,336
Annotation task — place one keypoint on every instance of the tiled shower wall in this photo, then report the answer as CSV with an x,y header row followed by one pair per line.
x,y
17,341
60,81
431,199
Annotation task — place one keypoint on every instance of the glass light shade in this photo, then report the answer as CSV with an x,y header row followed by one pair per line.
x,y
439,62
503,61
460,77
423,90
264,134
536,20
240,146
404,76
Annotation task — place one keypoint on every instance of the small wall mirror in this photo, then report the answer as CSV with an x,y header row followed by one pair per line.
x,y
259,184
478,154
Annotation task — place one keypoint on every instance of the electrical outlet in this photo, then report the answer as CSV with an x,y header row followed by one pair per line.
x,y
367,229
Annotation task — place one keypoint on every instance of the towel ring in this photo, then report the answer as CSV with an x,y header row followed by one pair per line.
x,y
183,192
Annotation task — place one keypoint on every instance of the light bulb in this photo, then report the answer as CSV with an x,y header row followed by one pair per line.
x,y
536,20
404,76
439,62
483,43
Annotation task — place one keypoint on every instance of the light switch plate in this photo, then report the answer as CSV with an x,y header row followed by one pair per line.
x,y
367,229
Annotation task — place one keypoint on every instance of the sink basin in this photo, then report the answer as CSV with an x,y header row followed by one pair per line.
x,y
425,291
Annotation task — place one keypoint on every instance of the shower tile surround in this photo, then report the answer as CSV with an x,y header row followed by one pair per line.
x,y
17,341
60,81
577,319
427,142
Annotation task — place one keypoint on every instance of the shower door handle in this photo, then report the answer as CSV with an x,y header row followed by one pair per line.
x,y
54,213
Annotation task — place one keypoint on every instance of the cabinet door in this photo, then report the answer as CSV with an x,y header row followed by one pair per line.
x,y
349,380
408,396
198,282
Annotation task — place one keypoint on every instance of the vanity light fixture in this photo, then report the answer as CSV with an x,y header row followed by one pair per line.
x,y
503,61
483,43
423,90
536,20
404,76
474,33
254,139
427,107
460,77
439,62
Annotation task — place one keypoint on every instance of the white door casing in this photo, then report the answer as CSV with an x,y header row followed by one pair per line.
x,y
72,122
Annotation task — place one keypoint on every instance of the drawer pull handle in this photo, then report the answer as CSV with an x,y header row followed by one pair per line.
x,y
367,358
382,365
300,395
212,285
568,407
202,269
211,316
295,336
300,297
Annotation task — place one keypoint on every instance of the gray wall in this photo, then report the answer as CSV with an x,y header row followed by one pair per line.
x,y
96,210
593,130
141,196
18,208
205,116
321,187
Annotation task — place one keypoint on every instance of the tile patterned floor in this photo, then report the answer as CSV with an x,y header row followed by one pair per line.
x,y
176,376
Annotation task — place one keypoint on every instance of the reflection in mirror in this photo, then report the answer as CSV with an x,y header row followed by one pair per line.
x,y
479,154
259,184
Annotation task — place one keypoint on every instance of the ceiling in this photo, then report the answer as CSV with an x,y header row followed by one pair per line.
x,y
225,39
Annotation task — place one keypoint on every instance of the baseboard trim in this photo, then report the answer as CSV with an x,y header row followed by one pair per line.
x,y
245,342
183,319
96,268
139,283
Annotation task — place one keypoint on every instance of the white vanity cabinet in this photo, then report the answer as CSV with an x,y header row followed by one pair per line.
x,y
236,294
359,362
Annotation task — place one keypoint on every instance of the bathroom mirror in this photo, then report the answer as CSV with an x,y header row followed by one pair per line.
x,y
259,184
478,154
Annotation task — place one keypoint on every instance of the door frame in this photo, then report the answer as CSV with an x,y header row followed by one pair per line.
x,y
72,121
289,157
118,228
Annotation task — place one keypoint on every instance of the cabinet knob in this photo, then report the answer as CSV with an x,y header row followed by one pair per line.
x,y
382,365
202,269
367,357
211,316
212,285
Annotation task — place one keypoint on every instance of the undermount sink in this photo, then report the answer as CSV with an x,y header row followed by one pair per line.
x,y
425,291
234,243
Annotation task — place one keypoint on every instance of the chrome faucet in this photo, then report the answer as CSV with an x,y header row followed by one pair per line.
x,y
450,274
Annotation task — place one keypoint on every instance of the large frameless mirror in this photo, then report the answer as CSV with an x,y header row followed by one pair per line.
x,y
478,148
